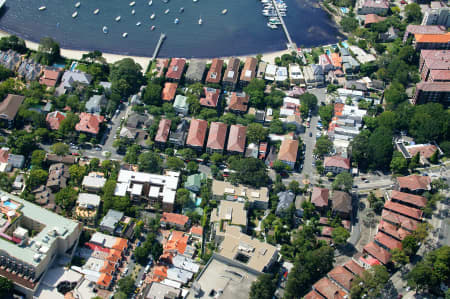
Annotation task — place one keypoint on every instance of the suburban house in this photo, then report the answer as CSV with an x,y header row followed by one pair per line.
x,y
227,213
87,207
10,59
178,136
162,134
194,182
177,221
29,70
211,98
169,91
341,204
248,72
261,70
93,183
180,105
336,164
314,75
175,70
95,104
225,190
288,152
66,159
111,221
236,139
378,7
282,74
231,75
320,198
238,102
216,138
50,76
285,200
89,123
160,67
72,78
197,134
414,184
54,119
9,108
195,71
58,174
296,75
215,71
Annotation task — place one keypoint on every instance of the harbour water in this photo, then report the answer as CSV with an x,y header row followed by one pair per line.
x,y
241,31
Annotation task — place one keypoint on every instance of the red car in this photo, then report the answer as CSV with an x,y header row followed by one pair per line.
x,y
403,2
75,154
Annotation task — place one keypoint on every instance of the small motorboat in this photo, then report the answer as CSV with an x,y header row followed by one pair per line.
x,y
176,21
181,9
42,8
165,1
152,28
224,11
96,11
124,35
77,4
166,11
200,21
117,18
75,14
272,26
194,1
150,3
152,16
133,11
105,29
132,3
138,24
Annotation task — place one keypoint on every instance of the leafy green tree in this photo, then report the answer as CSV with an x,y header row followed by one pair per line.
x,y
255,89
445,147
249,171
174,163
126,285
216,158
276,127
370,284
149,162
66,198
126,77
294,186
67,125
434,159
349,24
38,158
152,94
380,148
264,287
340,235
326,114
77,173
187,153
415,161
183,197
256,133
60,149
275,98
21,142
132,154
308,102
343,181
399,165
6,287
48,51
395,94
410,244
387,119
399,257
360,149
413,13
36,178
192,167
323,146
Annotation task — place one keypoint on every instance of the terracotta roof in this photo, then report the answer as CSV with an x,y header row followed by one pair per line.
x,y
176,68
50,77
169,91
160,271
108,268
327,231
397,232
414,182
313,295
215,71
121,244
341,202
197,132
324,221
54,119
4,154
425,29
376,4
433,86
337,161
197,230
236,139
436,59
89,123
288,150
320,196
177,243
440,75
177,219
338,108
342,276
232,71
163,130
353,267
10,105
238,102
328,289
378,252
249,70
373,18
412,199
211,97
400,220
217,135
387,241
336,59
432,38
104,280
426,151
404,210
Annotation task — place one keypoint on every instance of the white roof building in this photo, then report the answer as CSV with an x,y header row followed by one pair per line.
x,y
281,74
271,71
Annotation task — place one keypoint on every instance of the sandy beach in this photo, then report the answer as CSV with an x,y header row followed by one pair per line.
x,y
143,61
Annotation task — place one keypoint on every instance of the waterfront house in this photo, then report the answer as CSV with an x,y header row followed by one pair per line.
x,y
197,134
178,136
54,119
161,66
296,75
216,138
238,102
181,105
10,59
261,70
215,71
29,70
176,69
169,91
9,108
50,76
211,98
378,7
288,152
314,75
72,78
248,72
89,123
163,132
236,139
195,71
271,71
231,76
95,104
281,74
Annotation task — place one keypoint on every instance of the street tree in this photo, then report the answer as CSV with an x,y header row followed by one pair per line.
x,y
174,163
323,146
326,114
149,162
6,287
370,284
343,181
399,165
340,235
264,287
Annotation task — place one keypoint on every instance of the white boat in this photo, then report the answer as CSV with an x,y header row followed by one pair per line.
x,y
150,3
117,18
105,29
42,8
152,16
138,24
224,11
77,4
272,26
125,34
194,1
75,14
181,9
176,21
166,11
133,11
200,21
132,3
152,28
96,11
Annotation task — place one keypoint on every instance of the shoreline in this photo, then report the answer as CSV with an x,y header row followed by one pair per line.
x,y
141,60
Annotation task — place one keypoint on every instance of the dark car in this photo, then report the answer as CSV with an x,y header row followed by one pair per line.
x,y
310,134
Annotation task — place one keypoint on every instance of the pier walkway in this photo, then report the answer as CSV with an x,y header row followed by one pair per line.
x,y
162,37
291,45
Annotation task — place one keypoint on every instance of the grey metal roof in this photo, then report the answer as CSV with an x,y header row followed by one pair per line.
x,y
111,219
196,70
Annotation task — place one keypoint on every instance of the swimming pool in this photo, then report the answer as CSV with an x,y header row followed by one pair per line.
x,y
10,205
73,66
198,202
59,65
344,44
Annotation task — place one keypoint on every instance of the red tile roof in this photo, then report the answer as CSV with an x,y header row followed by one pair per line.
x,y
176,68
215,71
426,150
50,77
249,70
197,133
327,231
404,210
217,135
433,86
337,161
211,97
313,295
440,75
320,196
372,18
336,59
416,200
288,150
378,252
388,241
236,139
432,38
328,289
414,182
232,71
163,130
104,280
54,119
197,230
394,231
238,102
425,29
400,220
436,59
121,244
169,91
4,154
353,267
342,276
89,123
174,218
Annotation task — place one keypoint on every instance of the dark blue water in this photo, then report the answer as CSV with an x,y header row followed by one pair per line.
x,y
241,31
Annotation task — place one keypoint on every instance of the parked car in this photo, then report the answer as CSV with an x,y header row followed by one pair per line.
x,y
310,134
